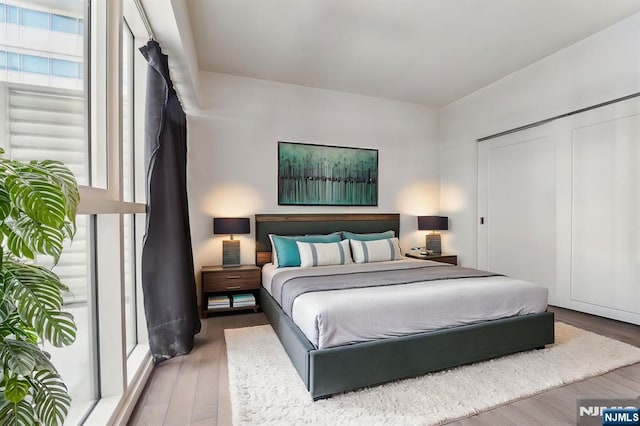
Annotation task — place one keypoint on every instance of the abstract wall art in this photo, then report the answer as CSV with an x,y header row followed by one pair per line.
x,y
323,175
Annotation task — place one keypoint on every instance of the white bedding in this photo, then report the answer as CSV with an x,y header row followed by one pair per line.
x,y
340,317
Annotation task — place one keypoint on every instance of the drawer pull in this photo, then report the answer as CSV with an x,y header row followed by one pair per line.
x,y
233,287
233,277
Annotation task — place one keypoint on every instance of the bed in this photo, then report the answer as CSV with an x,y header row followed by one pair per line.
x,y
330,366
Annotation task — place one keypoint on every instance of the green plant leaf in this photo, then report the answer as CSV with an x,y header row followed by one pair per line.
x,y
16,389
17,358
51,397
19,414
69,229
68,183
38,207
21,348
16,245
39,238
59,328
6,309
35,291
42,200
22,280
5,204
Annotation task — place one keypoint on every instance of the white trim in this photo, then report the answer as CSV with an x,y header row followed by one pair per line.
x,y
133,15
96,201
117,410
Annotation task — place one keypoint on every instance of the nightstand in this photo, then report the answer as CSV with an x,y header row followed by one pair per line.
x,y
229,289
443,258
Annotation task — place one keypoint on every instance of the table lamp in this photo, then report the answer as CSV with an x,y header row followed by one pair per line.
x,y
433,223
231,247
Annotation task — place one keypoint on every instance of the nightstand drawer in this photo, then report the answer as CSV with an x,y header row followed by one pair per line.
x,y
230,280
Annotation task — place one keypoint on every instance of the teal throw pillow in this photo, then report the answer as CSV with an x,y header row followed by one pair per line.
x,y
368,237
287,250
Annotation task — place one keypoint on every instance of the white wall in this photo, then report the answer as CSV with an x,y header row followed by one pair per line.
x,y
232,163
599,68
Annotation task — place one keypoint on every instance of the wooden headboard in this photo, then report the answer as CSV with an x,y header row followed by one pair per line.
x,y
303,224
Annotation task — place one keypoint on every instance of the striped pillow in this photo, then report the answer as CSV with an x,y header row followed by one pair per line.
x,y
285,251
319,254
376,250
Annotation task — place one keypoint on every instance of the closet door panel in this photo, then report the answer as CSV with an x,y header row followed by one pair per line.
x,y
605,246
517,185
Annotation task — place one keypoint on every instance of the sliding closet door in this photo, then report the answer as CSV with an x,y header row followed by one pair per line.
x,y
561,208
517,206
605,257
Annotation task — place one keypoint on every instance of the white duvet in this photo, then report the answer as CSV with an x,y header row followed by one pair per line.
x,y
341,317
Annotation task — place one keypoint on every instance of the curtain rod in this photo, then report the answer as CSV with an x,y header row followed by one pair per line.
x,y
548,120
145,20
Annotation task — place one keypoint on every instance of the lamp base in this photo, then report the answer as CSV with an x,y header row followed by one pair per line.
x,y
230,253
433,243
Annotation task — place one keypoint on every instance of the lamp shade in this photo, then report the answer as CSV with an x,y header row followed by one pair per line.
x,y
433,223
231,225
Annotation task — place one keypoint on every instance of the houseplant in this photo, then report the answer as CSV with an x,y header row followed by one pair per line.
x,y
38,202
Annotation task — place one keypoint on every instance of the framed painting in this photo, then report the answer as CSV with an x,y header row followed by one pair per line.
x,y
324,175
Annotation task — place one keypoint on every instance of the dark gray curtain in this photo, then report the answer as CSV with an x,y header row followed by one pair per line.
x,y
167,259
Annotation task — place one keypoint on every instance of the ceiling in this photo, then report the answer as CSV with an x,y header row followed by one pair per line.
x,y
430,52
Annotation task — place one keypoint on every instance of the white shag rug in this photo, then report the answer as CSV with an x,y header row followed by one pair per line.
x,y
266,389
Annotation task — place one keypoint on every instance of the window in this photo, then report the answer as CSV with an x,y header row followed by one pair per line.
x,y
78,363
35,64
62,68
12,14
52,108
42,65
133,97
64,24
42,120
46,124
127,189
13,61
41,19
34,18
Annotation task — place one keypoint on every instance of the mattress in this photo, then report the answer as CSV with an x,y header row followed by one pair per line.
x,y
341,317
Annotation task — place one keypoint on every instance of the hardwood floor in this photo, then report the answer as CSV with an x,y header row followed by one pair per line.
x,y
194,390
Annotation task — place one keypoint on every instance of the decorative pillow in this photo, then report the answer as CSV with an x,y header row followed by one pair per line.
x,y
319,254
368,237
285,250
375,251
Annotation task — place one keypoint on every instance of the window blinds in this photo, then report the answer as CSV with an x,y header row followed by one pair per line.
x,y
49,126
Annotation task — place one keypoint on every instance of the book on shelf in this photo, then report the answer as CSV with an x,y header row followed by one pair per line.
x,y
243,299
218,302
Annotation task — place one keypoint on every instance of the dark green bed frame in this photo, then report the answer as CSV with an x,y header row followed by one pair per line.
x,y
329,371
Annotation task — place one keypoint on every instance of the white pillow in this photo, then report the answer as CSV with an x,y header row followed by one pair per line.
x,y
319,254
375,250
